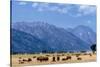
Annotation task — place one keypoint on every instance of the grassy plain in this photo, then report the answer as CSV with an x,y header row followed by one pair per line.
x,y
85,57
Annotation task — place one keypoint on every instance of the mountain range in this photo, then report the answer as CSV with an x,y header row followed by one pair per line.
x,y
30,37
85,33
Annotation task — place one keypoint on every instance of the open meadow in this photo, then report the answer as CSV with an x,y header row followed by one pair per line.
x,y
47,58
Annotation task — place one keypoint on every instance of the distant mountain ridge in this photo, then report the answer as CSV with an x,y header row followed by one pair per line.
x,y
24,42
85,33
55,39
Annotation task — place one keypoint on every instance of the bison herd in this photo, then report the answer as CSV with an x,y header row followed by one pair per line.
x,y
21,61
48,58
42,58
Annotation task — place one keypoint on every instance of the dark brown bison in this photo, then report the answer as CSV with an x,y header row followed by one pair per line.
x,y
29,60
67,58
63,59
79,58
53,59
58,58
20,62
41,59
25,60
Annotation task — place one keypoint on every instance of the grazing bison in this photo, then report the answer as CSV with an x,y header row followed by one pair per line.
x,y
41,59
63,59
29,59
21,61
79,58
54,59
58,58
25,60
67,58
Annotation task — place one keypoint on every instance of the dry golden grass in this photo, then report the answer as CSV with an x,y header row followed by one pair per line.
x,y
84,58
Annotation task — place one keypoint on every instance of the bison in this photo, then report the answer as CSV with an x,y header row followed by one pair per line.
x,y
41,59
54,59
79,58
29,59
58,58
67,58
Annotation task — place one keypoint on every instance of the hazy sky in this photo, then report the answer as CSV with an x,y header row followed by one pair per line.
x,y
61,15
